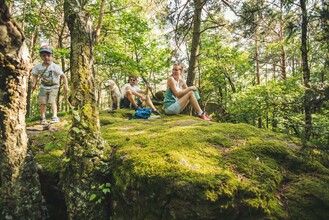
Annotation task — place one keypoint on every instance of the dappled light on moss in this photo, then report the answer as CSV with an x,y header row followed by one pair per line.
x,y
183,167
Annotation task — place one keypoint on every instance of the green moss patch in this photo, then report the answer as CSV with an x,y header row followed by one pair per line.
x,y
182,167
307,197
50,162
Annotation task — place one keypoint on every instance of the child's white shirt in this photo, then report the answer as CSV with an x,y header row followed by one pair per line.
x,y
50,77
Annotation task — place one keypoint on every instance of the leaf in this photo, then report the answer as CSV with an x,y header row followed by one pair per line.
x,y
84,124
76,130
77,117
106,190
66,159
92,197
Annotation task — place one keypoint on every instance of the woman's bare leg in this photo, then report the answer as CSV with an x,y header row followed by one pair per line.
x,y
189,97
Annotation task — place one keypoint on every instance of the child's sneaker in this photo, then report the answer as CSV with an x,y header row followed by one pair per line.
x,y
204,116
43,121
54,120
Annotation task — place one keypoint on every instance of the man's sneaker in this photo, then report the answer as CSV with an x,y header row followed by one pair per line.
x,y
156,112
138,107
43,121
54,120
204,116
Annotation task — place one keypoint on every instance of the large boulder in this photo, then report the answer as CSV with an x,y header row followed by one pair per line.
x,y
181,167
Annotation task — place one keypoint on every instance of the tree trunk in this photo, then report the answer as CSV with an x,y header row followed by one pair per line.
x,y
195,42
257,58
325,30
306,76
260,122
100,22
33,43
82,176
20,191
283,50
29,96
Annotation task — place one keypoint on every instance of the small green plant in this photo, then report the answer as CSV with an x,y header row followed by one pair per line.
x,y
103,190
48,146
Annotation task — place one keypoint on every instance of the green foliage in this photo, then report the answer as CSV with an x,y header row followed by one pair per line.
x,y
103,189
321,130
277,101
131,49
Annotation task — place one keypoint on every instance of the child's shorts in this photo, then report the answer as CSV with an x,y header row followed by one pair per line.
x,y
47,95
173,109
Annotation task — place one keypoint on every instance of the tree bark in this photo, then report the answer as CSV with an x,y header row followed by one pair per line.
x,y
283,49
61,104
32,46
325,30
100,22
82,176
306,76
259,119
20,191
195,42
257,58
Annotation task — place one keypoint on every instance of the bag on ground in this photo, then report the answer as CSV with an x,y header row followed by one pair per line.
x,y
143,113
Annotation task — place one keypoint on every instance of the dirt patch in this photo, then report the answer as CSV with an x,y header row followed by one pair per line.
x,y
186,122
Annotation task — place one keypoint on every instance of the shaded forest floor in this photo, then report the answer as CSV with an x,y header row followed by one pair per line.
x,y
181,167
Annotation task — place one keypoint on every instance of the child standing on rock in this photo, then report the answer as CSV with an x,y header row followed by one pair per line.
x,y
49,75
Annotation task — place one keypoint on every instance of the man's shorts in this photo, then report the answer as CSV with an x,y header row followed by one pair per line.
x,y
173,109
47,95
125,103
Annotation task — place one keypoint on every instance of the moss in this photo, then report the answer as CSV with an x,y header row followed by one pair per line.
x,y
308,197
50,162
49,146
184,155
181,167
48,141
36,119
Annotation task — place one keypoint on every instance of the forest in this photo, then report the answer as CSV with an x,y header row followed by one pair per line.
x,y
259,63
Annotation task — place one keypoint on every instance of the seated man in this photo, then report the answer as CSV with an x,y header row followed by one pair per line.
x,y
130,91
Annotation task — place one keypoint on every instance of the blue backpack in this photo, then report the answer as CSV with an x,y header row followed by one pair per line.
x,y
143,113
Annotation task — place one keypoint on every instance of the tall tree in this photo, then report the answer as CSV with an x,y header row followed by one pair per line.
x,y
281,37
306,75
257,59
192,18
198,5
82,176
20,192
34,38
325,30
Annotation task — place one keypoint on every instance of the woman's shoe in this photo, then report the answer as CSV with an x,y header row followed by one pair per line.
x,y
204,116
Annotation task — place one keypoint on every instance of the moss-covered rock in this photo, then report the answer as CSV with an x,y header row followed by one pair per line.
x,y
181,167
48,147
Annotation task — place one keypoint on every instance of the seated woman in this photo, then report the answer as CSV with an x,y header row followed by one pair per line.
x,y
178,95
